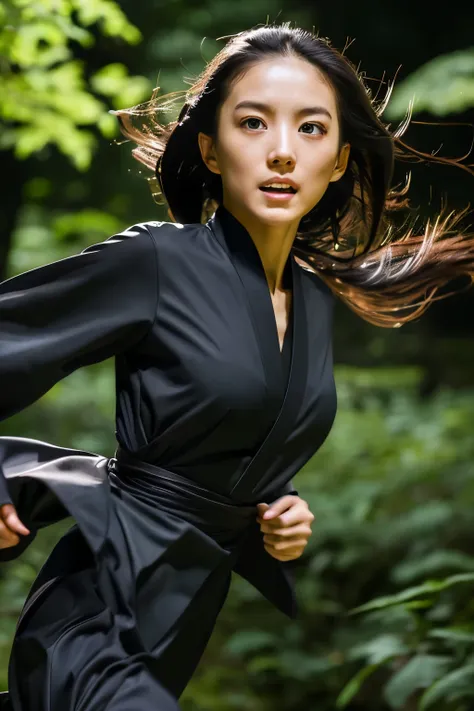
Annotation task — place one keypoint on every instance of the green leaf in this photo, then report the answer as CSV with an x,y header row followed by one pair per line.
x,y
432,563
429,588
133,91
37,44
78,146
108,14
452,634
442,86
109,79
92,225
263,663
418,604
421,671
250,641
354,686
29,140
48,99
294,664
74,32
107,125
453,685
113,81
380,649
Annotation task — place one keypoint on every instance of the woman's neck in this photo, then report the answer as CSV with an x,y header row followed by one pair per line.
x,y
273,243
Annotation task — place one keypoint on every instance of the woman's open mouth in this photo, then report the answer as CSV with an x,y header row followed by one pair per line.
x,y
282,192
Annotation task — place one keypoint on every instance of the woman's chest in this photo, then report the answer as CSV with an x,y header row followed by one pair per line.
x,y
209,381
281,303
205,341
218,338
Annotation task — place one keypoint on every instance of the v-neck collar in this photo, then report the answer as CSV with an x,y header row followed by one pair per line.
x,y
288,392
248,264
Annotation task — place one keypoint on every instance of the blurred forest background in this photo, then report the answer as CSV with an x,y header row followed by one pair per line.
x,y
385,585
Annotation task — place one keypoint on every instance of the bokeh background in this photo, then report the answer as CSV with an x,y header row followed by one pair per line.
x,y
386,583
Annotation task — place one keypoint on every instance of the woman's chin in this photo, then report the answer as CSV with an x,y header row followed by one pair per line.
x,y
278,214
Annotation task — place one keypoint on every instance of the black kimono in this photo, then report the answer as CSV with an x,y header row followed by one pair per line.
x,y
211,419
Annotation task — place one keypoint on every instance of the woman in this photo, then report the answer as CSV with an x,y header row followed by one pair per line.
x,y
221,334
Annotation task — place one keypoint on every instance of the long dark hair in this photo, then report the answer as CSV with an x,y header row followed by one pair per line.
x,y
387,274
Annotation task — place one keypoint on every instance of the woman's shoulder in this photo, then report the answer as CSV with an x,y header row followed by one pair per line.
x,y
161,231
141,240
182,241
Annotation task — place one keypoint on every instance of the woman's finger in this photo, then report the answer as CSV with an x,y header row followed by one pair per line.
x,y
301,527
277,508
7,537
288,546
10,518
282,555
296,514
297,536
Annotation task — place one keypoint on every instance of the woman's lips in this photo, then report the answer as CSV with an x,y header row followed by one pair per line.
x,y
280,195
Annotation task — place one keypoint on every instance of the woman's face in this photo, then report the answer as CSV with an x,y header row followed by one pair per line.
x,y
279,121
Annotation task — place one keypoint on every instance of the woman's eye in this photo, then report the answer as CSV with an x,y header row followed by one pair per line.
x,y
319,129
254,123
247,121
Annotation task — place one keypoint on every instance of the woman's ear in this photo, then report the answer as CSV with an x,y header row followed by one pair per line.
x,y
341,163
207,148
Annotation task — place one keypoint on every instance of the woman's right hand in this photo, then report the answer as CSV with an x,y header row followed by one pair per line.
x,y
10,526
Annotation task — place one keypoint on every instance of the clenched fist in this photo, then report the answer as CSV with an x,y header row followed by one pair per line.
x,y
10,526
289,528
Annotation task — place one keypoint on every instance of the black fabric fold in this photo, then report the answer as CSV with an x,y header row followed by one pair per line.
x,y
49,483
211,419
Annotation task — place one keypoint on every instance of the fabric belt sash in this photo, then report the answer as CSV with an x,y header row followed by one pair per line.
x,y
48,483
232,525
213,513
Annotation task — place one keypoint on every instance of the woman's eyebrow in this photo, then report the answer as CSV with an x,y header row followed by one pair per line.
x,y
258,106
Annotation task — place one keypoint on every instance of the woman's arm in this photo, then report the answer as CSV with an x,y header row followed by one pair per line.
x,y
74,312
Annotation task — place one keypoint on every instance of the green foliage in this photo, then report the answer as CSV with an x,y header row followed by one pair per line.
x,y
46,97
201,32
43,236
444,85
429,588
385,585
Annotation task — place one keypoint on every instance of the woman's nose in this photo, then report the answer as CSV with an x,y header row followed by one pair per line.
x,y
282,152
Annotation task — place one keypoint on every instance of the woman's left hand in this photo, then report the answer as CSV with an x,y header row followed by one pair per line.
x,y
286,525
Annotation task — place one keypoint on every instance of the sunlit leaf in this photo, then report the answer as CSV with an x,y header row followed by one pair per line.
x,y
92,225
442,86
111,18
50,98
109,79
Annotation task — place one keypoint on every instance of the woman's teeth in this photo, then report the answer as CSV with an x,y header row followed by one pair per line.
x,y
282,187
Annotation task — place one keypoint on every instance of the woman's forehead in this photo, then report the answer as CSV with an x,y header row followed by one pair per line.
x,y
280,82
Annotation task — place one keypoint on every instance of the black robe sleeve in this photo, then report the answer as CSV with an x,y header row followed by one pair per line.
x,y
74,312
